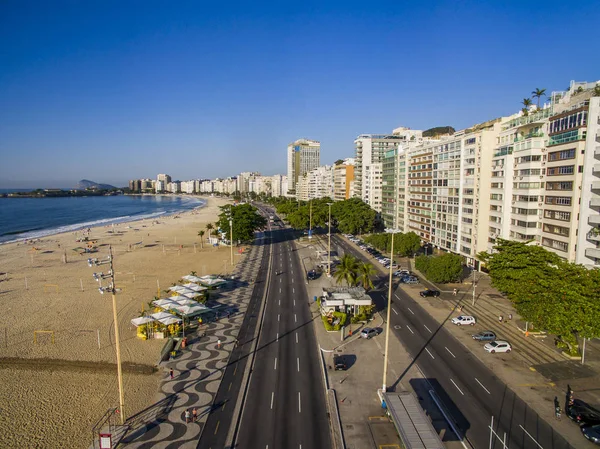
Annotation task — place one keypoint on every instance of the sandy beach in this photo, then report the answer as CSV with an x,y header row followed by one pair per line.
x,y
55,402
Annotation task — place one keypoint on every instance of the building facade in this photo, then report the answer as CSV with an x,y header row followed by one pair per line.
x,y
343,179
303,156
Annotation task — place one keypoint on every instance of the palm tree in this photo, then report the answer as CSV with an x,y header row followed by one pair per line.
x,y
346,270
538,93
209,228
365,271
526,102
201,234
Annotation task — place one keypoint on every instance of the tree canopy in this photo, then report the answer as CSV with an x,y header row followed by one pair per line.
x,y
246,220
404,244
554,295
442,269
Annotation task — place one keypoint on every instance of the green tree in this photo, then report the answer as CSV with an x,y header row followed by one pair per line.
x,y
538,93
365,271
347,270
201,235
526,103
596,90
440,269
353,216
209,228
245,221
407,244
552,294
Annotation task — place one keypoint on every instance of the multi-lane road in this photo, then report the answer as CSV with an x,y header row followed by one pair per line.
x,y
284,401
470,390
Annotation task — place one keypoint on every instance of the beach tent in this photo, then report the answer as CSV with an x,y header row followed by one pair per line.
x,y
179,289
165,318
191,278
178,298
191,310
164,303
185,302
212,281
194,287
142,320
191,295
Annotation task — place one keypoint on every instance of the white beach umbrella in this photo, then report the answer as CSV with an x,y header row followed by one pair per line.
x,y
184,302
179,289
191,295
166,318
213,282
191,278
163,303
142,320
194,287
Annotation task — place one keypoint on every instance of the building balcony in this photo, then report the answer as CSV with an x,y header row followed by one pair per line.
x,y
594,235
594,219
531,135
596,185
595,202
597,152
593,252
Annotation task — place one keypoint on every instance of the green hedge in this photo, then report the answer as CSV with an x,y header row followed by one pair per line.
x,y
342,316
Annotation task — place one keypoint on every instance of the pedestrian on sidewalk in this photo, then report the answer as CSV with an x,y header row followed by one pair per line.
x,y
500,318
171,373
187,416
219,344
194,414
454,292
510,317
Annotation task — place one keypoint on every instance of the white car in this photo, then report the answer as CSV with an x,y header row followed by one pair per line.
x,y
497,346
463,320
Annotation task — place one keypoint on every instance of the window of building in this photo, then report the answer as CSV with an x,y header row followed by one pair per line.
x,y
561,155
562,170
555,244
565,185
558,200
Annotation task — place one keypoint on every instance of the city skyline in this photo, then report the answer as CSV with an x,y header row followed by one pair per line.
x,y
110,98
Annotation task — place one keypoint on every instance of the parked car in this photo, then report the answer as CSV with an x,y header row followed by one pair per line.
x,y
428,293
369,332
583,413
410,280
592,433
463,320
484,336
312,275
497,346
339,362
402,273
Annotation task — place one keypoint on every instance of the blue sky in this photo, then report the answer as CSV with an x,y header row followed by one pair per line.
x,y
111,91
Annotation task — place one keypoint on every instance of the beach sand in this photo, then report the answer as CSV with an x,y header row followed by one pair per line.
x,y
55,403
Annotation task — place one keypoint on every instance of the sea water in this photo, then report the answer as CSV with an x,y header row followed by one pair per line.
x,y
30,218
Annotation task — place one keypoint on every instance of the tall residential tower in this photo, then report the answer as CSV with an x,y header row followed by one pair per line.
x,y
303,156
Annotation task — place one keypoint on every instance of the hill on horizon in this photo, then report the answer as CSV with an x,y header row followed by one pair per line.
x,y
438,131
87,184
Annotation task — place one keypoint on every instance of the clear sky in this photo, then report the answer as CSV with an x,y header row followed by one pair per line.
x,y
116,90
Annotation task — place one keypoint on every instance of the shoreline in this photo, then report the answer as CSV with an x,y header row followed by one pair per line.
x,y
52,311
64,229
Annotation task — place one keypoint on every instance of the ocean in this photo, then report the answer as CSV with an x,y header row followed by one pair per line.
x,y
29,218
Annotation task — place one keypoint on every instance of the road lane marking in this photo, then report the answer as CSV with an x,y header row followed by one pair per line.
x,y
275,367
292,280
235,370
296,337
397,297
529,435
450,352
410,310
217,427
299,403
394,310
488,391
427,328
298,363
280,299
295,318
279,289
277,336
457,387
229,386
280,280
293,290
272,398
278,317
408,327
430,353
294,302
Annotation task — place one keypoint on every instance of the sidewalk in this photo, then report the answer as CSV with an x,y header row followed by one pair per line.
x,y
197,371
364,423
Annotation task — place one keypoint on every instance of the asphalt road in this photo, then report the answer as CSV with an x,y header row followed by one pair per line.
x,y
470,390
285,406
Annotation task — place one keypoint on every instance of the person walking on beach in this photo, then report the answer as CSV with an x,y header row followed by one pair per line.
x,y
500,318
194,414
454,292
187,416
510,317
171,373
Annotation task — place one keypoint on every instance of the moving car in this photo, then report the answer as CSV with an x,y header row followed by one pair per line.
x,y
583,413
592,433
484,336
497,346
369,332
410,280
339,362
427,293
402,273
464,320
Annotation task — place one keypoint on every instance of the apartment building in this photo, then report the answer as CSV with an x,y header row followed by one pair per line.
x,y
303,155
420,188
317,183
343,179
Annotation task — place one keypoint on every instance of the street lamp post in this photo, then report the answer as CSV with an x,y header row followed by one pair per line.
x,y
474,281
231,238
389,309
310,220
329,244
113,291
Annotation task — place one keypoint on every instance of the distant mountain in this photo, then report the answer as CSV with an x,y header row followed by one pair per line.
x,y
87,184
439,131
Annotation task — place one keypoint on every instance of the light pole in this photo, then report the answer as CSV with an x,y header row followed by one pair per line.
x,y
310,219
389,309
329,244
474,280
113,291
230,217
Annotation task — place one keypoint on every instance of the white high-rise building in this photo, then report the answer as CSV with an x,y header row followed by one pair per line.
x,y
303,156
317,183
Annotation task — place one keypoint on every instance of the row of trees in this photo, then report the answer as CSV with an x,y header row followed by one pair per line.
x,y
445,268
245,222
351,216
404,244
554,295
354,272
